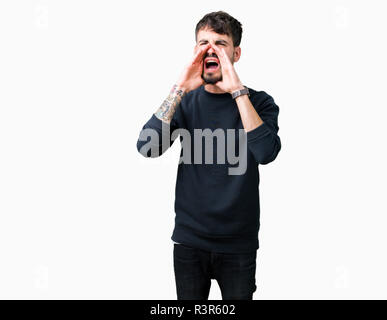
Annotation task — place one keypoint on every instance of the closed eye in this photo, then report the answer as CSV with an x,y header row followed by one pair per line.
x,y
217,43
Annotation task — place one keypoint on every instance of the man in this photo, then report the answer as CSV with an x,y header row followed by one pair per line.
x,y
217,211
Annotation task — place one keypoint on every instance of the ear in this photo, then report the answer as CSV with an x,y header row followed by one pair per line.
x,y
237,53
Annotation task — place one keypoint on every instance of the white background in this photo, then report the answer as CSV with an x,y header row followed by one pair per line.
x,y
84,215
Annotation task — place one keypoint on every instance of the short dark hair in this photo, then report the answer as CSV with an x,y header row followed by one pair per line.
x,y
221,22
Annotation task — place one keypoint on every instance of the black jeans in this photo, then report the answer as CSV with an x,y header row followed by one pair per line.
x,y
194,269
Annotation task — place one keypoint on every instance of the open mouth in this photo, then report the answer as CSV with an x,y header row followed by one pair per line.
x,y
211,64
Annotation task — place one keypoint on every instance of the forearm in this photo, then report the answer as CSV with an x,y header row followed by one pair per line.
x,y
262,138
167,109
249,116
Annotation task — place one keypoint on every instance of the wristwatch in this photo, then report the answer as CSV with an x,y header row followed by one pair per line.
x,y
240,92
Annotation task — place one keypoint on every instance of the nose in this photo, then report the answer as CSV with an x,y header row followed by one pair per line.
x,y
211,52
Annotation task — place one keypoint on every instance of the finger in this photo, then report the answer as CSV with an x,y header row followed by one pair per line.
x,y
196,50
221,55
226,58
200,53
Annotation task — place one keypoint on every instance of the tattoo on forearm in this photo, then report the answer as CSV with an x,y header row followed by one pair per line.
x,y
168,107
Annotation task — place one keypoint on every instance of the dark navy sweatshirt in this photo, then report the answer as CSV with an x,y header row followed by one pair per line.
x,y
214,210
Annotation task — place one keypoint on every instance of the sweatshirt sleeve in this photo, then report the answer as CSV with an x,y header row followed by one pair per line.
x,y
156,136
263,142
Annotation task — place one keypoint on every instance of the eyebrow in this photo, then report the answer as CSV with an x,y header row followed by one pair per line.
x,y
216,42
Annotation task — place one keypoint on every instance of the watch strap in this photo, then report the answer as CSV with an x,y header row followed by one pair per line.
x,y
238,93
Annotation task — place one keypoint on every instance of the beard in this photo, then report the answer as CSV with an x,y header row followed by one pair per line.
x,y
211,78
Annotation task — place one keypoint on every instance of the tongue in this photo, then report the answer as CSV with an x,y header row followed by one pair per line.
x,y
212,67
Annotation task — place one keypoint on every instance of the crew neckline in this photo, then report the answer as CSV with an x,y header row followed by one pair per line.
x,y
215,95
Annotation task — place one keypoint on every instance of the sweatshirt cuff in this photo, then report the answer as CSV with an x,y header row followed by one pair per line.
x,y
156,123
258,132
160,126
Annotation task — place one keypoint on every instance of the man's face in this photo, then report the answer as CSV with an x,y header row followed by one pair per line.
x,y
212,70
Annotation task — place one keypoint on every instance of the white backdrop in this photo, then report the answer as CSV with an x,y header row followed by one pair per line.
x,y
83,215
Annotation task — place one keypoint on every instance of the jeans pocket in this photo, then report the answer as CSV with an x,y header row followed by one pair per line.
x,y
184,246
184,252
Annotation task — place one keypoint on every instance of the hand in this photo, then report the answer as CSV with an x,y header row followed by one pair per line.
x,y
191,77
230,80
